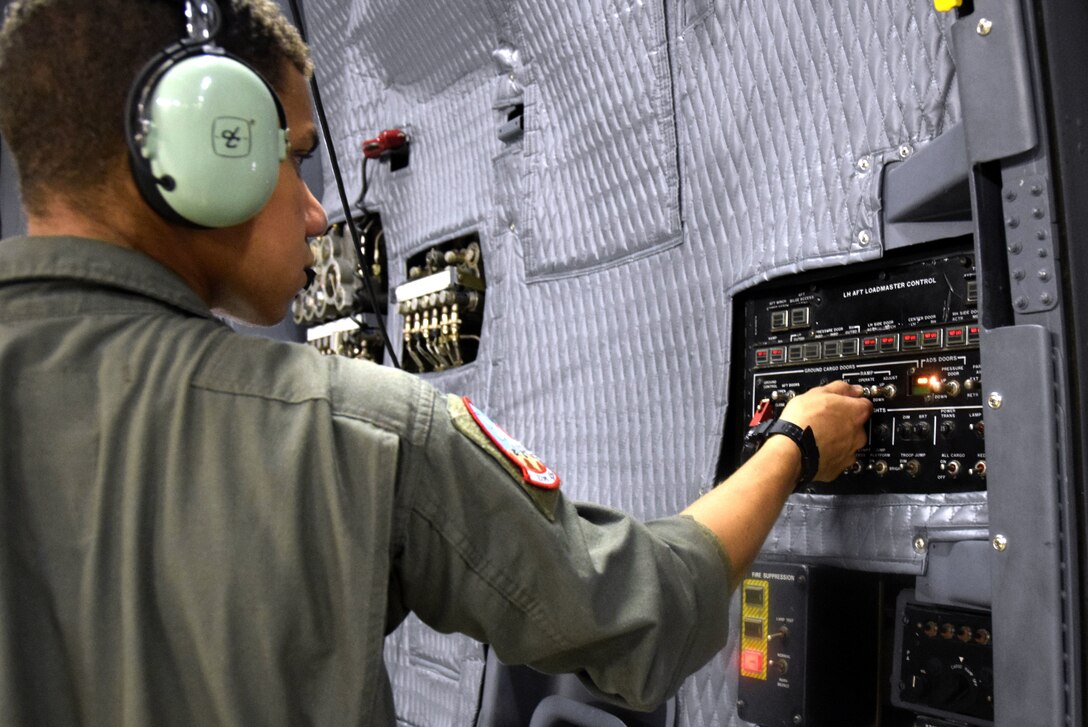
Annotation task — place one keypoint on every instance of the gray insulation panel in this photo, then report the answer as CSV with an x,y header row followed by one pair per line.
x,y
674,153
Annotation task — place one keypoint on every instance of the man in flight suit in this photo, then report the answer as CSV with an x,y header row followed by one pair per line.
x,y
201,527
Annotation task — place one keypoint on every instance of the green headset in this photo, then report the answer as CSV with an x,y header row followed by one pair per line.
x,y
206,133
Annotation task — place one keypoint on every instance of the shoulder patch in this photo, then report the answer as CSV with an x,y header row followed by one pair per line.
x,y
533,471
536,479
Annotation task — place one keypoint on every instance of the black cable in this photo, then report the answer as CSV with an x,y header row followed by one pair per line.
x,y
356,242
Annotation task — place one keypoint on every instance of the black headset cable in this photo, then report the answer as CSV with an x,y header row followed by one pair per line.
x,y
356,242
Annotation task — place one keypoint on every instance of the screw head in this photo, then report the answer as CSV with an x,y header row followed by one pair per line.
x,y
864,238
995,400
1000,542
985,25
513,227
864,164
1046,299
905,151
1016,248
919,544
798,719
1021,302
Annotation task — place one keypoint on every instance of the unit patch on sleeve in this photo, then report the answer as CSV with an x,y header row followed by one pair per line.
x,y
538,481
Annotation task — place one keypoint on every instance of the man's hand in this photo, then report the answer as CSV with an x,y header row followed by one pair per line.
x,y
837,414
741,510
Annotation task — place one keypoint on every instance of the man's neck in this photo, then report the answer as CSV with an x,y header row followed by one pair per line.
x,y
171,245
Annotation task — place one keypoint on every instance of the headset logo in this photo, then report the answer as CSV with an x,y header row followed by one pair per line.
x,y
231,136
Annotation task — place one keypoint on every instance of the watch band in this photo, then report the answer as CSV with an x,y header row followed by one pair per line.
x,y
806,442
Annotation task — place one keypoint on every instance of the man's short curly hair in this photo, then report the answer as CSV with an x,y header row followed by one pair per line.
x,y
66,67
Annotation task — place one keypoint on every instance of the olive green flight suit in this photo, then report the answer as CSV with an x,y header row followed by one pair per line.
x,y
201,527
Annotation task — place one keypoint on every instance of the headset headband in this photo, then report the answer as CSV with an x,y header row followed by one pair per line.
x,y
202,21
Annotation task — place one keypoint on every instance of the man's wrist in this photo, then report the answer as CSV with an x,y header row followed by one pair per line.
x,y
786,456
805,441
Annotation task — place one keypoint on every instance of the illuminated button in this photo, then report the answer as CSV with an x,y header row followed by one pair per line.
x,y
753,628
778,355
799,318
911,341
812,351
780,320
869,345
955,336
889,342
931,339
972,334
849,347
920,384
751,661
832,349
763,356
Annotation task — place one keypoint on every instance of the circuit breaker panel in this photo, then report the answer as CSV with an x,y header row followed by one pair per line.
x,y
442,305
907,331
338,309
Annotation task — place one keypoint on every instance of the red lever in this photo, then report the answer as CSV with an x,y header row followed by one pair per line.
x,y
764,413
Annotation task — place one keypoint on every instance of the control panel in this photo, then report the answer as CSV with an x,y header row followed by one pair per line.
x,y
808,646
905,329
945,661
442,305
336,309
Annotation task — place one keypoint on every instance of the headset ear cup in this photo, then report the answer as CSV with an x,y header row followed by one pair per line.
x,y
209,140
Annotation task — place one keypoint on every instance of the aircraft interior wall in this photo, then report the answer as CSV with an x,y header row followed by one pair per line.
x,y
603,222
622,185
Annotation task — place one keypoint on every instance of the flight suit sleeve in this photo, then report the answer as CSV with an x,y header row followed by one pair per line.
x,y
631,607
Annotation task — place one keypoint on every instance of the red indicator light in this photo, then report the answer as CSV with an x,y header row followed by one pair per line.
x,y
930,335
751,661
955,331
888,339
761,354
973,330
776,352
869,342
910,337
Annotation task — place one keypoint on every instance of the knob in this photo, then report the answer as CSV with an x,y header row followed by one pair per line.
x,y
953,468
952,387
913,467
880,467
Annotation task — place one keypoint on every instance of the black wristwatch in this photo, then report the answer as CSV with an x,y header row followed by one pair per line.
x,y
803,438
